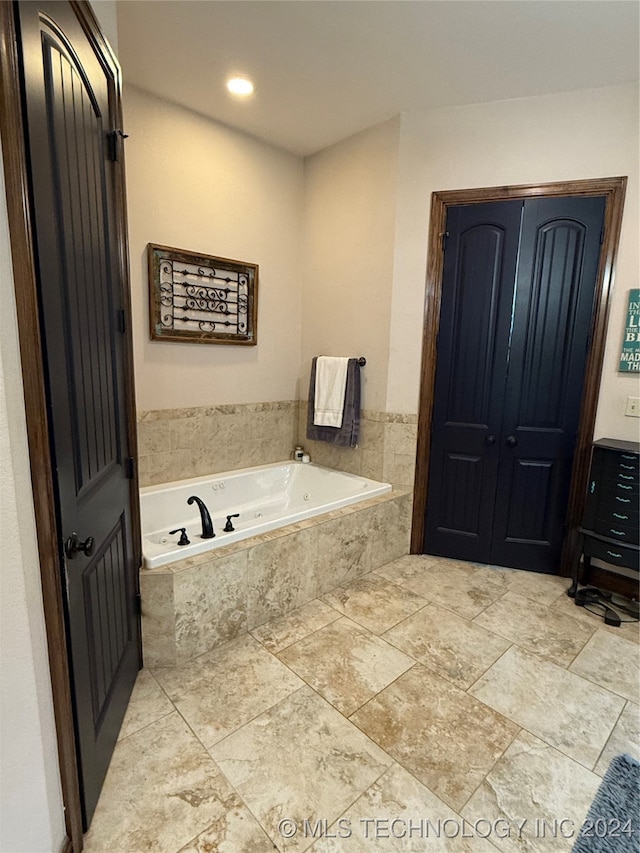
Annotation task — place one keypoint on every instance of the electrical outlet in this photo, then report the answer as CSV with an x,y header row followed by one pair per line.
x,y
633,407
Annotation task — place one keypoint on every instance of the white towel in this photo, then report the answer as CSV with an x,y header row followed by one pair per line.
x,y
331,382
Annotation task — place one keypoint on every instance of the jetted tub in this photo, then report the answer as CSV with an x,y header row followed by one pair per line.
x,y
266,497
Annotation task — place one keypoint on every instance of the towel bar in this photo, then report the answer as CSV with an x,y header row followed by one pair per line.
x,y
362,361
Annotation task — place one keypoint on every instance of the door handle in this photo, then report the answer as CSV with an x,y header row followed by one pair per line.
x,y
511,441
490,439
73,545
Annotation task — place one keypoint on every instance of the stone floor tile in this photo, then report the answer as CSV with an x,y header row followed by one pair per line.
x,y
398,813
443,736
162,790
532,787
300,760
375,603
448,645
280,633
536,627
346,664
147,704
457,587
625,737
552,703
627,630
611,662
223,689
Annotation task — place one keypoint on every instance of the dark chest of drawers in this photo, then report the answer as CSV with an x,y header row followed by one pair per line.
x,y
610,528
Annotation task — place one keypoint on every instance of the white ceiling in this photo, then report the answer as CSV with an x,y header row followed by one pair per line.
x,y
325,69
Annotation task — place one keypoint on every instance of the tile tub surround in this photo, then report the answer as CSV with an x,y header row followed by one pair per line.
x,y
192,606
176,444
386,448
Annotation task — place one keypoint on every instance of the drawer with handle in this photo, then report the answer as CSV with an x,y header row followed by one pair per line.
x,y
615,528
612,552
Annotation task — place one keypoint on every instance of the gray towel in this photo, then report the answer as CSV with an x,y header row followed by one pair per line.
x,y
347,434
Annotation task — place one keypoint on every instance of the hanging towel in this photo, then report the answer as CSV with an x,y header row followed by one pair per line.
x,y
331,383
347,434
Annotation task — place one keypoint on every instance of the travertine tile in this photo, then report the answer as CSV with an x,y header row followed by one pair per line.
x,y
625,737
280,633
158,619
545,589
162,790
147,704
447,645
346,664
282,575
443,736
398,813
235,830
455,586
375,603
533,783
563,709
210,604
299,760
627,630
407,568
535,627
390,531
343,549
612,662
221,690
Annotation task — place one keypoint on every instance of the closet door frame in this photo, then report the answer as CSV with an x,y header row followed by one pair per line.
x,y
613,189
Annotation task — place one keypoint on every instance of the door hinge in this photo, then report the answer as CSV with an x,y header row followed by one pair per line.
x,y
602,236
122,320
114,141
130,467
138,604
443,237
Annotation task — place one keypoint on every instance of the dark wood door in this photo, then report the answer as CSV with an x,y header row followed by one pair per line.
x,y
508,393
70,106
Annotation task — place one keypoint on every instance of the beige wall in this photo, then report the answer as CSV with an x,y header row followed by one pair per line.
x,y
349,214
587,134
31,815
197,185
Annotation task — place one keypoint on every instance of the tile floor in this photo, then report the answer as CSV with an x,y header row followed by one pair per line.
x,y
430,705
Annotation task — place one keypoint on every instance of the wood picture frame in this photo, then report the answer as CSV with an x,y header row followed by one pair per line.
x,y
201,299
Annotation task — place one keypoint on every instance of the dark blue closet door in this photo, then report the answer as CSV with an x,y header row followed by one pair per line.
x,y
517,300
557,271
473,339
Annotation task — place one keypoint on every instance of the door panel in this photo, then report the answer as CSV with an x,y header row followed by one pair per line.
x,y
559,254
480,263
70,105
508,395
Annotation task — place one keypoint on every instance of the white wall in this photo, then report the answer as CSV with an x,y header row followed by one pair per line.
x,y
350,208
31,814
197,185
587,134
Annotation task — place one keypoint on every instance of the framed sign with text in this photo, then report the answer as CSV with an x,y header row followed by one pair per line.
x,y
630,355
201,299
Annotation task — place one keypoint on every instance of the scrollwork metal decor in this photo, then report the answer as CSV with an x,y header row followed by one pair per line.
x,y
201,298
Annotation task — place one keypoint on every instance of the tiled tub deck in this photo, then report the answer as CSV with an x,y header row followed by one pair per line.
x,y
193,605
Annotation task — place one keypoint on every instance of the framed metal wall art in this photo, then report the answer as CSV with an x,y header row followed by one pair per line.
x,y
201,299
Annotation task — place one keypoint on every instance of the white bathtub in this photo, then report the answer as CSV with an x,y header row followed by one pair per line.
x,y
267,497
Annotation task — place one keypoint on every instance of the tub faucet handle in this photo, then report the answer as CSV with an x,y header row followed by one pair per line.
x,y
183,535
229,528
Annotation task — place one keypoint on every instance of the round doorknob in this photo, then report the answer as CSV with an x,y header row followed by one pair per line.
x,y
512,441
490,439
73,545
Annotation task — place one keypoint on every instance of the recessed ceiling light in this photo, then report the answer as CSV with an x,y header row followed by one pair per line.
x,y
241,86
